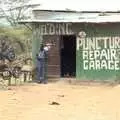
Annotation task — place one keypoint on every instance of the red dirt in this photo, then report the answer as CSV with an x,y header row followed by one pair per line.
x,y
77,102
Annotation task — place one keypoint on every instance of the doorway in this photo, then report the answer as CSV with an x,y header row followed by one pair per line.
x,y
68,55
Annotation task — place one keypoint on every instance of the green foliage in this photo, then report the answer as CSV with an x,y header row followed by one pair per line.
x,y
16,33
19,37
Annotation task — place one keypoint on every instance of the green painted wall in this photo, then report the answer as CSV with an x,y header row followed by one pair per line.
x,y
36,42
93,32
97,33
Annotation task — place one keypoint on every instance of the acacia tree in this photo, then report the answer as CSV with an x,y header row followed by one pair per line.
x,y
15,10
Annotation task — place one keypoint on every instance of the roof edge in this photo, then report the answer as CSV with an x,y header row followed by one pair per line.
x,y
63,21
69,10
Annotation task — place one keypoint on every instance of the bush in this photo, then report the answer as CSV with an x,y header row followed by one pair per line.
x,y
20,38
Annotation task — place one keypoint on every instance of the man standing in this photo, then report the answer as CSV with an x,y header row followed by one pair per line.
x,y
42,59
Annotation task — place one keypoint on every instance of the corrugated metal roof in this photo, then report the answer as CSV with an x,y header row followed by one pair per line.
x,y
77,19
61,15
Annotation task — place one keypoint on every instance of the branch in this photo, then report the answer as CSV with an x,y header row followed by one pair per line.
x,y
12,17
30,28
25,6
19,14
6,16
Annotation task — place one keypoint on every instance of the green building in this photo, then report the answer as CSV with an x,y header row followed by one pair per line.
x,y
85,45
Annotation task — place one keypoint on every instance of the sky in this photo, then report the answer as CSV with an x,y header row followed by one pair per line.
x,y
83,5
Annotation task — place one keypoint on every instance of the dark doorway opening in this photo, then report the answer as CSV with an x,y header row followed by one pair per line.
x,y
68,56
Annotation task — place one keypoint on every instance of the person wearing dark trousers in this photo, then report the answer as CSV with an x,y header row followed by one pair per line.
x,y
42,64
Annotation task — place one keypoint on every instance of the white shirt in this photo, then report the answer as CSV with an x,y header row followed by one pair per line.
x,y
47,48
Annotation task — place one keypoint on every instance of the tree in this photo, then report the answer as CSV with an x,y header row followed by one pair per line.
x,y
15,10
20,38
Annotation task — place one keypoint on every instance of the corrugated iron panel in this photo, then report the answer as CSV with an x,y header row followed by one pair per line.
x,y
74,17
58,15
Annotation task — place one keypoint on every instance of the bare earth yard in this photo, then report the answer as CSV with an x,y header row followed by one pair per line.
x,y
77,102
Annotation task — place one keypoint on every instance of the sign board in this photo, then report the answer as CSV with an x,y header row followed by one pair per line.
x,y
55,29
99,53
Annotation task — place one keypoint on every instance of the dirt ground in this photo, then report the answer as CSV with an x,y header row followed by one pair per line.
x,y
76,102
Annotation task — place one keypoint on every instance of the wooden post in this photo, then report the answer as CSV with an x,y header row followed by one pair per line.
x,y
36,41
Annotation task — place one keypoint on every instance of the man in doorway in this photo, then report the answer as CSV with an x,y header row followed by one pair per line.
x,y
42,59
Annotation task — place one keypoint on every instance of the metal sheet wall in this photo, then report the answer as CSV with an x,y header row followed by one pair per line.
x,y
100,61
